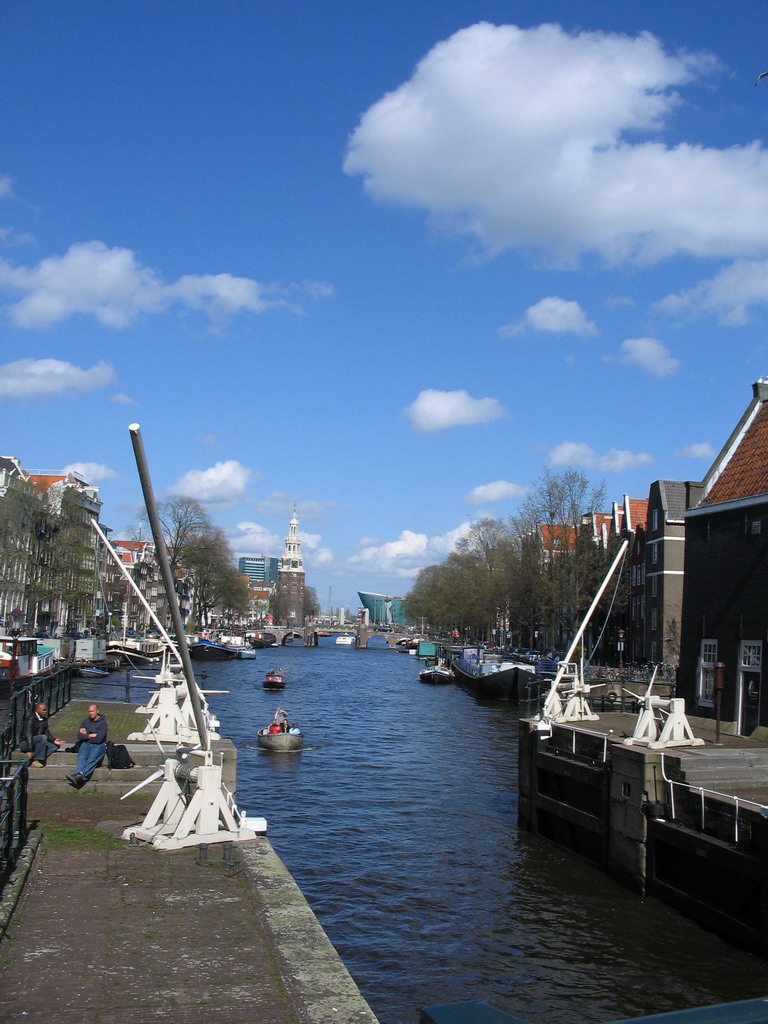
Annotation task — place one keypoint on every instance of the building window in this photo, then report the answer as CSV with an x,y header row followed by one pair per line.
x,y
653,621
654,586
707,670
655,524
655,554
751,654
653,651
755,527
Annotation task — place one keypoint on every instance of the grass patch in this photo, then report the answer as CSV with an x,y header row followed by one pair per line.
x,y
72,838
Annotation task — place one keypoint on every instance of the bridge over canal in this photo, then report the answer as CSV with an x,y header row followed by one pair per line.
x,y
308,635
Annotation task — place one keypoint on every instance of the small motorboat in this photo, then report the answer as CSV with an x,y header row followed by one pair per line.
x,y
346,640
246,652
279,741
274,680
436,674
280,736
91,672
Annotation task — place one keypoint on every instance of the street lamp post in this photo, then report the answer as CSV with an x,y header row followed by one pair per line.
x,y
620,646
13,668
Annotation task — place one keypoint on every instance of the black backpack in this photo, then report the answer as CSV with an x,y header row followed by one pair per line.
x,y
118,756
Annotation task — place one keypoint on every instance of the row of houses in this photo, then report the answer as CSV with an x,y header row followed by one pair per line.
x,y
37,592
57,575
699,576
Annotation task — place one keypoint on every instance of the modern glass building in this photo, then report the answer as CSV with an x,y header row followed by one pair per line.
x,y
383,610
259,568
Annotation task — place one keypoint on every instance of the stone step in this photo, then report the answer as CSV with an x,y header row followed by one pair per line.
x,y
734,772
717,759
114,780
141,754
727,782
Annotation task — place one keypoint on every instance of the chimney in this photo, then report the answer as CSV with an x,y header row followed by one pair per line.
x,y
760,389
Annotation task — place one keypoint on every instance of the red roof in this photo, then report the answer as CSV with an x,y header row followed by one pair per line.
x,y
746,472
638,512
43,483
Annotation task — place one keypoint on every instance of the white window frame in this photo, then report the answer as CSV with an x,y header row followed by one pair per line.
x,y
707,659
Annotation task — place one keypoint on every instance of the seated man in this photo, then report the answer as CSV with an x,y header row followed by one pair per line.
x,y
40,742
92,735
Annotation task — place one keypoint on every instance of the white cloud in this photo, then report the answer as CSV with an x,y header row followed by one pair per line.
x,y
499,490
224,483
554,316
402,558
112,286
309,541
120,399
91,472
701,450
728,295
541,138
5,186
249,538
34,378
573,453
442,410
281,504
650,355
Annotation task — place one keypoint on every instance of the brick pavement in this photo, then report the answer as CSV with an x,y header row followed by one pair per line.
x,y
109,932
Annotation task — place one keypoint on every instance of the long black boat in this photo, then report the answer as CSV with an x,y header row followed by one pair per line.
x,y
208,650
491,676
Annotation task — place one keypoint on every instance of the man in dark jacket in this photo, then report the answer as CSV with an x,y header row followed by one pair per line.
x,y
40,742
92,735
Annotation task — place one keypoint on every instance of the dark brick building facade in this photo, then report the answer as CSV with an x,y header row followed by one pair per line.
x,y
725,600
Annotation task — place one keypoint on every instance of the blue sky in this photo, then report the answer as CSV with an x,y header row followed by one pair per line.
x,y
385,261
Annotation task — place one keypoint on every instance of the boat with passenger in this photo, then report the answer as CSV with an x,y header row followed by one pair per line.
x,y
274,680
346,640
281,736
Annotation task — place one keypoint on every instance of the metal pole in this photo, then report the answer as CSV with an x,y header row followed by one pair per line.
x,y
168,582
580,631
718,683
132,583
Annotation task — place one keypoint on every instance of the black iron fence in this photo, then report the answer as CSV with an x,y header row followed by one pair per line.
x,y
55,690
13,813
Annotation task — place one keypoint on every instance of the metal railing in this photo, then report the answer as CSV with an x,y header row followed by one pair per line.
x,y
700,795
13,813
55,690
608,693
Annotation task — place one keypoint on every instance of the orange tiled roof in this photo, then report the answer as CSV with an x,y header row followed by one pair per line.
x,y
746,472
43,483
557,536
638,512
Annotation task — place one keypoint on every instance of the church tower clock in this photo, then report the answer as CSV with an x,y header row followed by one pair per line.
x,y
290,577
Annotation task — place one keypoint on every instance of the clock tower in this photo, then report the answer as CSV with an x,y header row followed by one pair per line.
x,y
290,577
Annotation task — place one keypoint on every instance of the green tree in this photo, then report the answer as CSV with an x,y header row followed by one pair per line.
x,y
209,558
19,508
560,557
311,605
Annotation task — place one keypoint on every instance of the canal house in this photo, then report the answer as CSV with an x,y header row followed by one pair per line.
x,y
725,604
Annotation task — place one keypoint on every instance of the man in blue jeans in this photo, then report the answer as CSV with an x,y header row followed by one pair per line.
x,y
92,736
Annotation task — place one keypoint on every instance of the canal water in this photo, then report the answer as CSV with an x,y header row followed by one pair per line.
x,y
398,820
